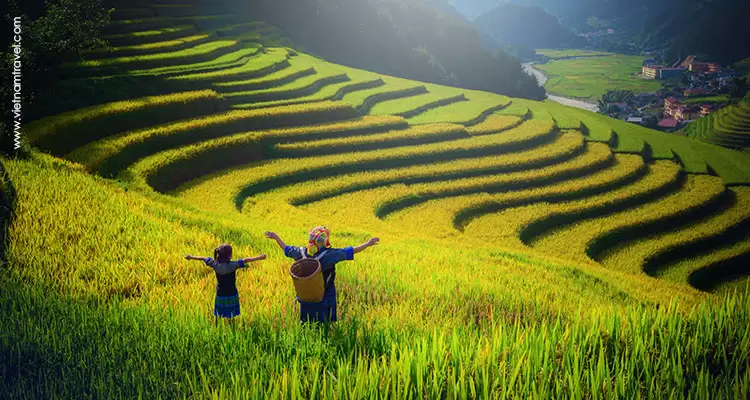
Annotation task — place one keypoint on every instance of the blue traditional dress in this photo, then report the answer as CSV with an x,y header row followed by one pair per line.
x,y
227,303
328,258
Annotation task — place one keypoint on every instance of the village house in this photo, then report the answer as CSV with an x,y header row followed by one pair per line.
x,y
673,109
698,67
635,120
660,72
668,124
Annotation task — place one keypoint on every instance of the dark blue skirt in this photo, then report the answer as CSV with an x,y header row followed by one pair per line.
x,y
324,311
227,306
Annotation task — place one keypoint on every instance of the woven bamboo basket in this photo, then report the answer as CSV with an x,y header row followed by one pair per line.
x,y
307,277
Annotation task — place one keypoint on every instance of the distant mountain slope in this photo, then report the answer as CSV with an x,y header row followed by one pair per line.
x,y
526,26
411,39
717,29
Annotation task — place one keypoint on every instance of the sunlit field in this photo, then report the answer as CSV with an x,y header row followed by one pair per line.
x,y
571,53
527,249
588,78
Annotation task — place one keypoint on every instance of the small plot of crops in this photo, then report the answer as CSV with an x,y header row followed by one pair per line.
x,y
653,254
476,108
588,78
571,53
729,127
475,214
583,239
110,155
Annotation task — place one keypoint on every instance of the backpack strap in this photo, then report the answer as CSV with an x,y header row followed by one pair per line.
x,y
303,252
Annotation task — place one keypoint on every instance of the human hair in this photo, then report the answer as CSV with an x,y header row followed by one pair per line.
x,y
223,253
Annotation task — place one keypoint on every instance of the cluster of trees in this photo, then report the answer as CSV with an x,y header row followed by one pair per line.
x,y
411,39
51,32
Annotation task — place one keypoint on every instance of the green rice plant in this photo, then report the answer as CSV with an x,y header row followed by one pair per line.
x,y
277,78
307,85
237,29
407,107
405,137
304,86
268,61
202,22
718,270
167,170
590,77
329,92
611,353
495,123
278,173
519,210
151,36
564,119
225,61
570,53
557,152
120,27
517,107
477,107
393,88
199,53
62,133
149,48
588,237
695,157
110,155
374,98
651,254
541,166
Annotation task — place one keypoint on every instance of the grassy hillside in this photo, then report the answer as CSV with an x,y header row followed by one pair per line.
x,y
527,248
728,127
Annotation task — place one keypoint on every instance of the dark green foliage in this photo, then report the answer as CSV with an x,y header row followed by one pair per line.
x,y
50,33
407,39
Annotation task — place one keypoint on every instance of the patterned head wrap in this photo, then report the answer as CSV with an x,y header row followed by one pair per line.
x,y
318,239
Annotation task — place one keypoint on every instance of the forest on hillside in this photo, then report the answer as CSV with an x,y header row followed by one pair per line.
x,y
712,28
410,39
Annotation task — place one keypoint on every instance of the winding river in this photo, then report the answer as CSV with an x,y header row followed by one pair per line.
x,y
529,69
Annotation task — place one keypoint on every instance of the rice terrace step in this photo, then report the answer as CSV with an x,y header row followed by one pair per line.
x,y
525,249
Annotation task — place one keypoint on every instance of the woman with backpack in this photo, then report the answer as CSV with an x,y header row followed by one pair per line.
x,y
319,247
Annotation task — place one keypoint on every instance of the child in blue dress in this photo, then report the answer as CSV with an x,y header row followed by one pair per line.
x,y
227,302
319,247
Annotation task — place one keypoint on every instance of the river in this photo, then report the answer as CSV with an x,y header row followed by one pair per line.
x,y
529,69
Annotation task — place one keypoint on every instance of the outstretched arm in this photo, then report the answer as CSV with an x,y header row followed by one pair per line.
x,y
251,259
199,258
372,242
274,236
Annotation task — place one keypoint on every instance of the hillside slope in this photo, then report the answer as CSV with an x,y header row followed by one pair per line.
x,y
511,230
729,127
527,26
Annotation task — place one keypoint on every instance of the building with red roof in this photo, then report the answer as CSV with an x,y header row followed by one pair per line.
x,y
668,123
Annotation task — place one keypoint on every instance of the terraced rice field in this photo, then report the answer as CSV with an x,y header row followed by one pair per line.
x,y
527,249
729,127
